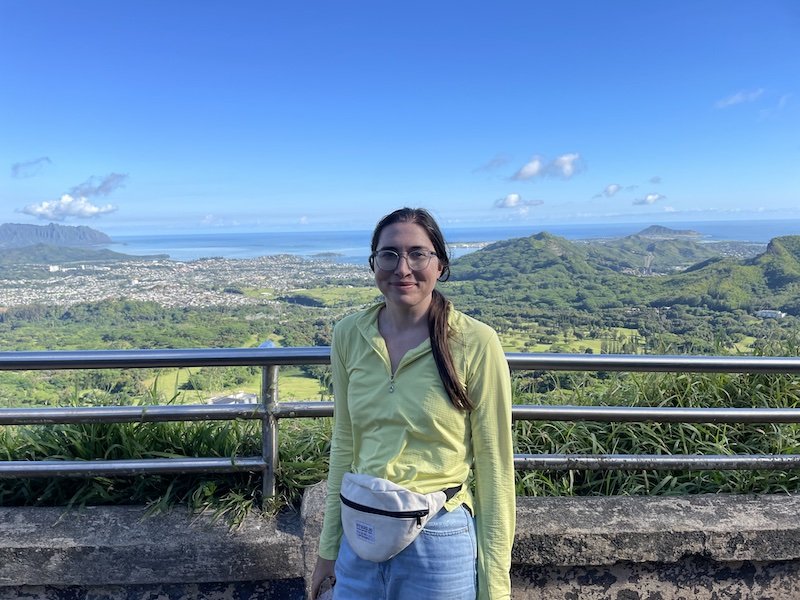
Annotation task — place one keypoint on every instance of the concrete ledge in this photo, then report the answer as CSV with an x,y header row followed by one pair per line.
x,y
265,590
706,547
691,578
626,548
121,545
608,530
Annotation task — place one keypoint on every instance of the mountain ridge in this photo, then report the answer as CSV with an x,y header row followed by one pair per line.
x,y
19,235
543,271
43,254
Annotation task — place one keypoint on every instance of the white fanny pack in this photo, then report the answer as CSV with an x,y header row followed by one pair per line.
x,y
381,518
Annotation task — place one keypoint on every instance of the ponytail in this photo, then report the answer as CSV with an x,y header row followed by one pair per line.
x,y
439,331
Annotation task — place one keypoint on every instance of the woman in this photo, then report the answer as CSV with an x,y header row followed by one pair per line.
x,y
422,396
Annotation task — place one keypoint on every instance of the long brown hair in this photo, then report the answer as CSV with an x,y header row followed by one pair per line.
x,y
438,328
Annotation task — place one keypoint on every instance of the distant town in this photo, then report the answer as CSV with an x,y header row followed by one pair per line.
x,y
207,282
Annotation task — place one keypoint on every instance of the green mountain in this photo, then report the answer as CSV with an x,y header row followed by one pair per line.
x,y
660,232
781,261
522,256
16,235
638,254
523,276
641,254
43,254
550,281
769,280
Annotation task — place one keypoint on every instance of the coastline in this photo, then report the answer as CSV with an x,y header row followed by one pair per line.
x,y
352,246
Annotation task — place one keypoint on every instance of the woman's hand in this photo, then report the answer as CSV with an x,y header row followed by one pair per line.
x,y
322,570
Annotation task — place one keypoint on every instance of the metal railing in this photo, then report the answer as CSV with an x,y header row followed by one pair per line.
x,y
271,409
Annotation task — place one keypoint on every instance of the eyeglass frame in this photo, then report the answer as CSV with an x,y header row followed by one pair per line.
x,y
373,258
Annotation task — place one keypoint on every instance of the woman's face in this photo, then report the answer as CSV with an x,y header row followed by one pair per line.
x,y
402,287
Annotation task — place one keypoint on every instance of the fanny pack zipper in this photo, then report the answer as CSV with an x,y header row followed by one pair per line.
x,y
405,514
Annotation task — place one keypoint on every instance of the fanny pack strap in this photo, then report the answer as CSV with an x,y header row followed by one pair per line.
x,y
450,492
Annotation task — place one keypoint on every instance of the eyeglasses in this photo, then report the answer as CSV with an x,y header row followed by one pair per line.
x,y
387,260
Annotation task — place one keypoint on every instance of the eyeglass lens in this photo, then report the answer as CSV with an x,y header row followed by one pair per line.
x,y
387,260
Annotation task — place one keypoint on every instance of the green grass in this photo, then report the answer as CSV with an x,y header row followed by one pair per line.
x,y
515,341
260,293
303,460
682,390
745,345
293,384
304,445
337,296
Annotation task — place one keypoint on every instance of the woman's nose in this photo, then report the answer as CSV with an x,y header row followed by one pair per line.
x,y
402,264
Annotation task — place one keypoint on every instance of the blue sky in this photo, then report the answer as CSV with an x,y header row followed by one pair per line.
x,y
148,116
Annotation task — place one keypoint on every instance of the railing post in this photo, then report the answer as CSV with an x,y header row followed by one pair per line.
x,y
269,428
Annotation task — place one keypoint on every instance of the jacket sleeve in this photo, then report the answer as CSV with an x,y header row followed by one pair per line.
x,y
341,456
489,387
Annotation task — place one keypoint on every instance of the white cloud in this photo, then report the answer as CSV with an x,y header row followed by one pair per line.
x,y
655,179
739,98
611,189
516,203
533,168
67,206
510,201
649,199
567,164
564,166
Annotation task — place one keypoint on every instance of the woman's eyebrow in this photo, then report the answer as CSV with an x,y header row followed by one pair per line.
x,y
410,248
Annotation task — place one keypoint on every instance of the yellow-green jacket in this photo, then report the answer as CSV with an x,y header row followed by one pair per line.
x,y
404,428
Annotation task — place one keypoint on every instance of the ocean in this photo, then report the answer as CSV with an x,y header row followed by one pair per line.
x,y
353,246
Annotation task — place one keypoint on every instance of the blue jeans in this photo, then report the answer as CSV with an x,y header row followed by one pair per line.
x,y
438,565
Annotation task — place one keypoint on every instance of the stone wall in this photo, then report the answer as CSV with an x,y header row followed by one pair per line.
x,y
122,553
622,548
640,548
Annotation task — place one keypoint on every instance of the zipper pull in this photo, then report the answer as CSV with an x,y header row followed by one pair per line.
x,y
391,384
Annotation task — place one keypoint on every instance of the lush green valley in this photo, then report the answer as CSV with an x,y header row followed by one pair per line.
x,y
552,290
657,294
541,293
